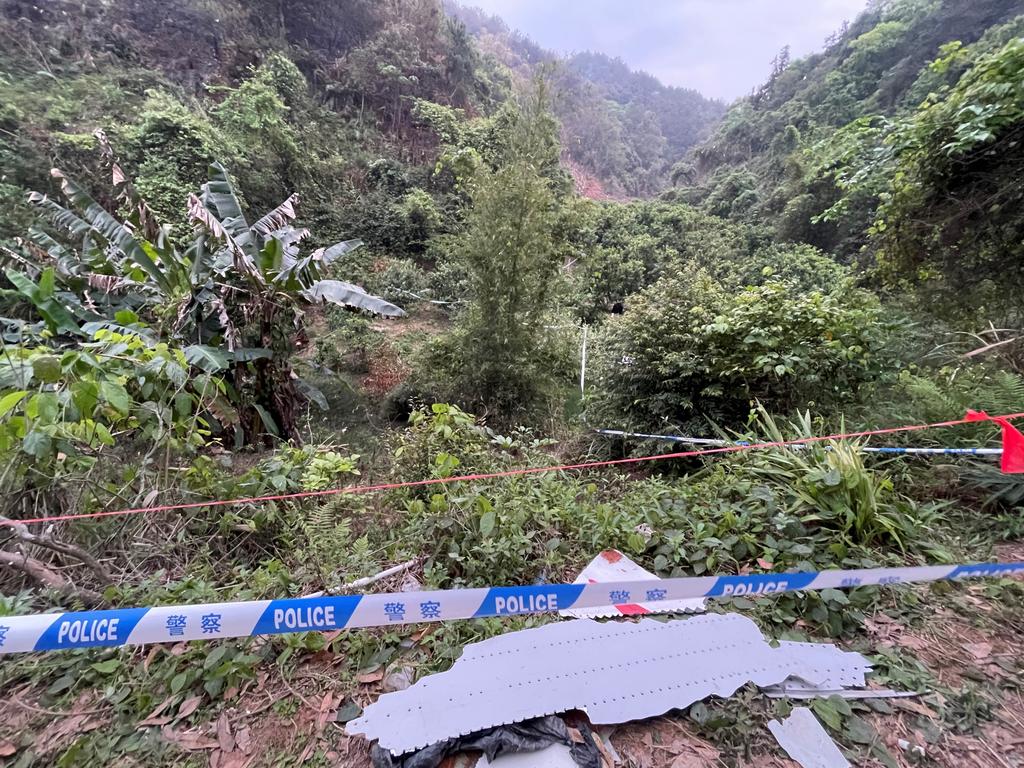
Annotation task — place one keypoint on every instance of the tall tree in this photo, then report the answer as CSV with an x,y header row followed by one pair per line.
x,y
512,260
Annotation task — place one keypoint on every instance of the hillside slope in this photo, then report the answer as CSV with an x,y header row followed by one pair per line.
x,y
771,156
623,127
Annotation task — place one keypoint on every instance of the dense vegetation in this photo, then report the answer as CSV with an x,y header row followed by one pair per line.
x,y
259,248
893,147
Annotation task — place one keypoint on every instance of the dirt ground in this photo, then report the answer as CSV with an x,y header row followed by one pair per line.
x,y
971,642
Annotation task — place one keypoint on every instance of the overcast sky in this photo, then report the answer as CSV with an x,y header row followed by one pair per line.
x,y
723,48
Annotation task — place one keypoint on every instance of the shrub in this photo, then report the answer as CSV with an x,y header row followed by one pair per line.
x,y
803,267
66,416
685,350
399,280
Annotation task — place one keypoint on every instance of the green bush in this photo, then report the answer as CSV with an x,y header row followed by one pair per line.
x,y
60,411
400,281
803,267
686,351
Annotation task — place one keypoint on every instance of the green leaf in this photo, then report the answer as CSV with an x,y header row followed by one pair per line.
x,y
37,444
860,731
126,317
206,358
178,682
267,419
46,368
47,282
219,198
182,404
62,683
85,394
311,393
114,394
487,522
826,710
248,354
43,407
10,400
214,656
51,310
108,666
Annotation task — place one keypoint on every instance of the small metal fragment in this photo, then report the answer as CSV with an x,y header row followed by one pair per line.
x,y
804,740
611,565
555,756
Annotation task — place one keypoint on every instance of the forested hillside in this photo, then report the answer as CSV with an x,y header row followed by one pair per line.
x,y
319,297
899,141
621,128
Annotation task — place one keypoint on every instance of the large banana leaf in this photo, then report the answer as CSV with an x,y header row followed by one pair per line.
x,y
115,233
201,214
349,295
327,255
280,257
45,302
59,215
209,359
219,197
279,218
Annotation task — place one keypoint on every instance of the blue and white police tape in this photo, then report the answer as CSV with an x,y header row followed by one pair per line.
x,y
799,446
169,624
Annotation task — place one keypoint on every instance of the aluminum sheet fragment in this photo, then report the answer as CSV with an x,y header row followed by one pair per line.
x,y
804,740
614,672
844,670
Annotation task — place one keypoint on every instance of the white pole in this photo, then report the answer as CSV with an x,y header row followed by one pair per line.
x,y
583,364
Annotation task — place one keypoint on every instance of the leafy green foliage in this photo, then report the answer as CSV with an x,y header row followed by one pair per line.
x,y
961,145
500,358
771,157
687,351
59,413
236,291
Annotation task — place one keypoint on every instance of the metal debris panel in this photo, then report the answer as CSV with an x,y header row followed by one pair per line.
x,y
804,740
845,670
615,672
613,566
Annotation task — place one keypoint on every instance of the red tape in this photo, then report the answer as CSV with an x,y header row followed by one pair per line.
x,y
1016,452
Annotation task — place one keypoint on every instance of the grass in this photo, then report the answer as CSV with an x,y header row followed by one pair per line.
x,y
272,700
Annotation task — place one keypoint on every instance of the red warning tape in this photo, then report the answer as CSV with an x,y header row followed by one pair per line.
x,y
1013,461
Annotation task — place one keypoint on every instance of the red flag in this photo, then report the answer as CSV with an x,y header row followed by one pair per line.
x,y
1013,442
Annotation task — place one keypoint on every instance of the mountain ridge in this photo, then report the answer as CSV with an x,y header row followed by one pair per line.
x,y
621,126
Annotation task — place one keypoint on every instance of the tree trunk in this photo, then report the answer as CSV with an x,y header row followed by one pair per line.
x,y
273,391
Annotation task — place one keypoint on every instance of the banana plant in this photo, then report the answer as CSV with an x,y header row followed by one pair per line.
x,y
269,281
234,299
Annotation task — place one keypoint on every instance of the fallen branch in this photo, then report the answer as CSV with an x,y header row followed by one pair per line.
x,y
48,578
367,580
46,541
52,712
